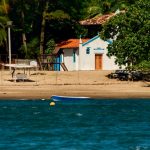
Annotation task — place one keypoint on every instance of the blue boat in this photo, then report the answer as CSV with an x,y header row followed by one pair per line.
x,y
59,98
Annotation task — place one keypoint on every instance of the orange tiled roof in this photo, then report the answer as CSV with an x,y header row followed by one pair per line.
x,y
70,43
98,19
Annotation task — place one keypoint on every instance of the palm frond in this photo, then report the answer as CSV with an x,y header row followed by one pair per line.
x,y
58,15
3,19
3,36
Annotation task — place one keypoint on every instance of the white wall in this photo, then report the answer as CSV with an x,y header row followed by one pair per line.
x,y
109,63
77,60
68,59
87,61
97,46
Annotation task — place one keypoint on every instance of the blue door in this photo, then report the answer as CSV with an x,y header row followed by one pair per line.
x,y
58,60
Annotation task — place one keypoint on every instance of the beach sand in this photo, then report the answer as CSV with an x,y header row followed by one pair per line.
x,y
95,84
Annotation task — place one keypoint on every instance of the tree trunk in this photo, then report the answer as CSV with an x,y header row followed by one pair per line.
x,y
6,12
23,34
43,32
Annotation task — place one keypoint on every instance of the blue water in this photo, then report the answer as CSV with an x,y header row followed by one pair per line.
x,y
75,125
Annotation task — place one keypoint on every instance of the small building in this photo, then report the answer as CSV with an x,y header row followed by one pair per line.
x,y
85,54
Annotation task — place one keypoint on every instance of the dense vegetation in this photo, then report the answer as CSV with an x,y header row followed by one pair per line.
x,y
39,24
131,31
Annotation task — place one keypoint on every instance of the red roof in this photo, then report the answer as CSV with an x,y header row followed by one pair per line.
x,y
97,20
69,44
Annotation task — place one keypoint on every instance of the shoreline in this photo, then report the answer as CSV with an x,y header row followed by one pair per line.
x,y
94,91
93,84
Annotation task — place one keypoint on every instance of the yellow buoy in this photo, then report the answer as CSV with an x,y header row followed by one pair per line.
x,y
52,103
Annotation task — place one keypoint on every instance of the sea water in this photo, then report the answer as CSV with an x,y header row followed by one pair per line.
x,y
75,125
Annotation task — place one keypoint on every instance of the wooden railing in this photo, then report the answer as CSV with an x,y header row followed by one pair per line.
x,y
64,67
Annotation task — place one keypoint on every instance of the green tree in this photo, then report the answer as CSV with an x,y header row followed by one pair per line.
x,y
99,7
131,32
50,46
58,20
48,16
3,22
33,49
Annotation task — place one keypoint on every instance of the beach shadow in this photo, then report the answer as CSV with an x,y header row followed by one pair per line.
x,y
38,73
21,80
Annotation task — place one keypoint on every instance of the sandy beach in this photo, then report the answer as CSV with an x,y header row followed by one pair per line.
x,y
95,84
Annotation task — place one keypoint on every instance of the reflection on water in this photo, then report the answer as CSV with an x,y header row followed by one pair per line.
x,y
75,125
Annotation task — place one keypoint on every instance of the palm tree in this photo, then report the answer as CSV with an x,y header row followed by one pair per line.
x,y
52,15
3,22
